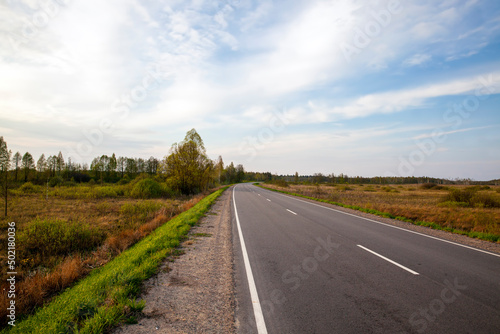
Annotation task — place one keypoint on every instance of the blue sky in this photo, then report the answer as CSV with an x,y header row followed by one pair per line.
x,y
357,87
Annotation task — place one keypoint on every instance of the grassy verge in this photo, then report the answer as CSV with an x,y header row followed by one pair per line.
x,y
472,234
107,296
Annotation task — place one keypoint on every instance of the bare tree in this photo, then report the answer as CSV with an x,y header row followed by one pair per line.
x,y
16,160
28,163
4,167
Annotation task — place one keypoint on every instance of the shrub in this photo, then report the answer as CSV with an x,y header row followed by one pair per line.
x,y
55,181
460,195
472,197
29,188
104,192
123,181
147,188
484,200
51,237
432,186
344,188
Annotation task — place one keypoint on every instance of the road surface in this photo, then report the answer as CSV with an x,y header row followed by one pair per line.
x,y
305,268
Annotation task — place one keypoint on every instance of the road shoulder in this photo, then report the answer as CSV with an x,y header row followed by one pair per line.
x,y
195,293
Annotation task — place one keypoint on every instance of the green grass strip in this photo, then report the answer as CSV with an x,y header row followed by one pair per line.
x,y
478,235
107,296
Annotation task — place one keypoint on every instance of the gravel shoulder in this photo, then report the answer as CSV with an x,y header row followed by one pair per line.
x,y
195,292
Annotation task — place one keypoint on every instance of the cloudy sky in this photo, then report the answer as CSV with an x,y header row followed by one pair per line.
x,y
359,87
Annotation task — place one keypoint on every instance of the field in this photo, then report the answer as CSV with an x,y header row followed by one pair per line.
x,y
65,232
471,210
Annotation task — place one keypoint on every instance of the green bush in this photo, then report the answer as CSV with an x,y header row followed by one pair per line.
x,y
55,181
57,237
147,188
29,188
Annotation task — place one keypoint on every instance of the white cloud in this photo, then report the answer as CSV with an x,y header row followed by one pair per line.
x,y
417,59
394,101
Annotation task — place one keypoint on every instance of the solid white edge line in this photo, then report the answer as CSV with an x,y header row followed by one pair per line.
x,y
389,260
396,227
291,211
257,309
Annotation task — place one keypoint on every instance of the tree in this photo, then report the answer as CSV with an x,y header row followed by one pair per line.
x,y
28,164
96,167
4,168
296,178
41,164
52,165
16,160
219,168
131,166
152,165
188,168
121,163
112,164
240,173
104,166
230,173
141,165
59,163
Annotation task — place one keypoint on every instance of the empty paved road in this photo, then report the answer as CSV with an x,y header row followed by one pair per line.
x,y
317,270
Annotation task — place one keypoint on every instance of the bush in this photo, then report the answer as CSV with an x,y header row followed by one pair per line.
x,y
123,181
432,186
147,188
51,237
472,197
29,188
56,181
485,200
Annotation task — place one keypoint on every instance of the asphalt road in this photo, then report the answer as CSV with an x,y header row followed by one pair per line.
x,y
306,268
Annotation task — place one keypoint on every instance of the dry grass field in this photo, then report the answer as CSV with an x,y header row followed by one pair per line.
x,y
466,208
62,237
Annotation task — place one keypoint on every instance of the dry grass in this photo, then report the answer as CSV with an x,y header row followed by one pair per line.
x,y
121,221
418,203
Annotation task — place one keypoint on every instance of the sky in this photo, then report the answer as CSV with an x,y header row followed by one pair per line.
x,y
369,88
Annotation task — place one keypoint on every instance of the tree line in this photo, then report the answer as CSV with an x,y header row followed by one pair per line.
x,y
186,168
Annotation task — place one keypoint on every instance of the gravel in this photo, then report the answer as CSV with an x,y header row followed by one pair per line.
x,y
195,293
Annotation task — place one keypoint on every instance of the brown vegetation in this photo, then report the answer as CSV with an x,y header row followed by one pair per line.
x,y
62,239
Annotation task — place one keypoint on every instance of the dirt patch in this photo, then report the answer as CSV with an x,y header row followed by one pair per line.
x,y
195,293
